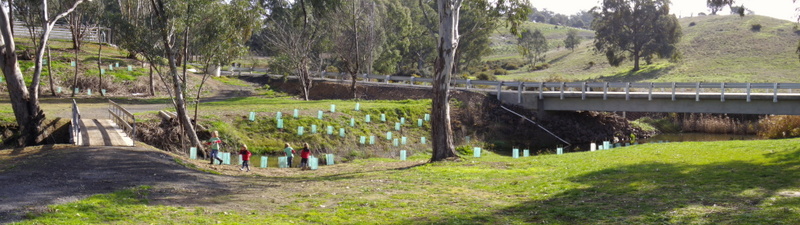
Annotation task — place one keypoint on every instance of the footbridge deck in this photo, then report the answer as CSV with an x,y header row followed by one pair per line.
x,y
117,131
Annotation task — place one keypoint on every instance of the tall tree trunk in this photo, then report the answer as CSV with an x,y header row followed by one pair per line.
x,y
152,81
180,96
75,30
180,100
636,62
100,67
354,73
75,77
167,35
305,79
440,115
26,111
50,72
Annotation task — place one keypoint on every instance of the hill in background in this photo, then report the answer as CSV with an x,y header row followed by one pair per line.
x,y
714,49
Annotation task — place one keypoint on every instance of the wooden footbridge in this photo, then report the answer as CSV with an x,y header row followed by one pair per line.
x,y
117,130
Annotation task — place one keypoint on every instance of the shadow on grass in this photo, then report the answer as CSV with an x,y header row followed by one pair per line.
x,y
659,193
646,72
558,59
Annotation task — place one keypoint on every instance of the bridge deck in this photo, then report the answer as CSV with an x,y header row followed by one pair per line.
x,y
102,132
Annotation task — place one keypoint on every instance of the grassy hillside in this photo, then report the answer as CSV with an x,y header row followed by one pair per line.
x,y
735,182
714,49
504,43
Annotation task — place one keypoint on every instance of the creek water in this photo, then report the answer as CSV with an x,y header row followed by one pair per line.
x,y
697,137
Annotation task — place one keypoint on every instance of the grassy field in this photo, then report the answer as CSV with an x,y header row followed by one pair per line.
x,y
713,48
734,182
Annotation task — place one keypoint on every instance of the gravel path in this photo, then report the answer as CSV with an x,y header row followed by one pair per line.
x,y
70,174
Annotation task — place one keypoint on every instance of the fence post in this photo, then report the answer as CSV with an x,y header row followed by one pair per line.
x,y
583,91
628,91
499,86
697,93
775,96
748,92
673,91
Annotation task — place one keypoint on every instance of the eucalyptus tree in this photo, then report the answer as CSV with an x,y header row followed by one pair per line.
x,y
572,40
168,25
25,100
515,11
221,33
635,29
357,35
397,29
718,5
293,30
532,45
85,17
421,38
135,18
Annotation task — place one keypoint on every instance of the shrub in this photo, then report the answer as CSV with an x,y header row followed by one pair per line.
x,y
464,150
485,76
500,72
542,66
510,66
755,27
779,127
332,69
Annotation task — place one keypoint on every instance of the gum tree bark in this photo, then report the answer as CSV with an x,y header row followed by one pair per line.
x,y
21,101
167,35
440,113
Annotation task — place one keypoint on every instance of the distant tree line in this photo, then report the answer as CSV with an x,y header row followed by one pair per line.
x,y
582,19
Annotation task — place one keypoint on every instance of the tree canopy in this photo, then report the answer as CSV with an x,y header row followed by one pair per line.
x,y
572,40
532,45
635,29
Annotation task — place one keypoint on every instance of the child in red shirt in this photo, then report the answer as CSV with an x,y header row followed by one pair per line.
x,y
245,157
304,155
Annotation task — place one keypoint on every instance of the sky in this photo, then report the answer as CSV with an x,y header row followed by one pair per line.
x,y
781,9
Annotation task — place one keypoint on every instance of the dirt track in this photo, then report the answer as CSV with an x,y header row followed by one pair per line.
x,y
69,174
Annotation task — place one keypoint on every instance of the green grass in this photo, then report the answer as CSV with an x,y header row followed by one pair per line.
x,y
231,81
230,118
715,49
734,182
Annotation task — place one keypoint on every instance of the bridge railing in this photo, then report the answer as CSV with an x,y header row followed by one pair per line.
x,y
123,118
75,124
628,88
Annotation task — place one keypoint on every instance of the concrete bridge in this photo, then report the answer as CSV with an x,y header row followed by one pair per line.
x,y
732,98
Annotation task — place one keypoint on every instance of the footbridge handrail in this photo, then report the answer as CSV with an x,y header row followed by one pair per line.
x,y
75,124
122,117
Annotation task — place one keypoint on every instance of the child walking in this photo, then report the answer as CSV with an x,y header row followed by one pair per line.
x,y
245,157
304,155
214,142
288,151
